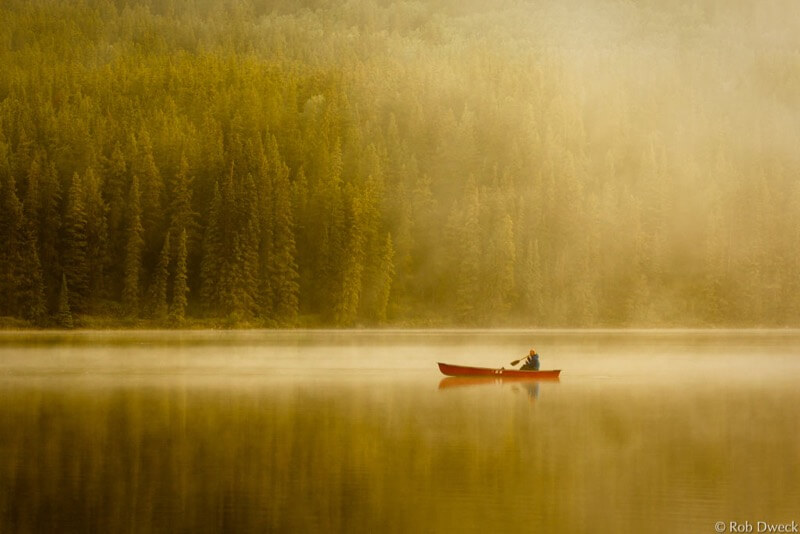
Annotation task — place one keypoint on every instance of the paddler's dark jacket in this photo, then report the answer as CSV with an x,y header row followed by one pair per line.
x,y
531,363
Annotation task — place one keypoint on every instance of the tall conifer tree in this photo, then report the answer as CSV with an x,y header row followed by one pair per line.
x,y
75,239
212,259
115,188
244,290
133,252
182,215
284,266
64,316
180,287
151,187
467,257
96,233
158,288
50,223
349,294
31,288
386,273
11,237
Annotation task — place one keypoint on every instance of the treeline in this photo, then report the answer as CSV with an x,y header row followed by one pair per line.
x,y
275,163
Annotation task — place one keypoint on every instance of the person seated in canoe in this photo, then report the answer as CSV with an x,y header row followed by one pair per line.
x,y
531,362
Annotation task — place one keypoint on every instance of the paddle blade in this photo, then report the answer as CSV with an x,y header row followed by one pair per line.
x,y
515,362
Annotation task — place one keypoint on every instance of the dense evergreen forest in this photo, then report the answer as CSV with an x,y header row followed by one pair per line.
x,y
366,162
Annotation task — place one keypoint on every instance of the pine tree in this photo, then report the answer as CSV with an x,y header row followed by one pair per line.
x,y
75,239
133,252
353,263
219,274
11,237
467,248
180,289
116,184
23,154
330,205
115,194
96,234
31,287
386,274
265,170
244,290
49,232
372,192
284,267
301,218
152,192
64,313
182,216
212,261
158,288
32,204
404,245
211,164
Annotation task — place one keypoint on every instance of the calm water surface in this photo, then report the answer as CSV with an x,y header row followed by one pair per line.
x,y
321,431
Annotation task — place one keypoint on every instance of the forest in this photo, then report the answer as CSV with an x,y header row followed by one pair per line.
x,y
276,163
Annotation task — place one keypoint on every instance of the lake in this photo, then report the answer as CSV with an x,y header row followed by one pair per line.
x,y
354,431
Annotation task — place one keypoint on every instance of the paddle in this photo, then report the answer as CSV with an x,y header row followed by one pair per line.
x,y
515,362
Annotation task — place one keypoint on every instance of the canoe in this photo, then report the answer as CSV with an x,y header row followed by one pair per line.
x,y
461,370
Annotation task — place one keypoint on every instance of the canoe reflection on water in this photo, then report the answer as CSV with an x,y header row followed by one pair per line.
x,y
525,381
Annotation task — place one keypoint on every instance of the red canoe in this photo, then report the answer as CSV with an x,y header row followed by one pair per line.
x,y
461,370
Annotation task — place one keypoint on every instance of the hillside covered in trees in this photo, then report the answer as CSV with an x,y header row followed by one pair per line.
x,y
366,162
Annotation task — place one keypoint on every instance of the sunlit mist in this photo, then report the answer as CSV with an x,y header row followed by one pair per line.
x,y
275,163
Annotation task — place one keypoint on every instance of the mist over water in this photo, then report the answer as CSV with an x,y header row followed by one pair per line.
x,y
350,431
